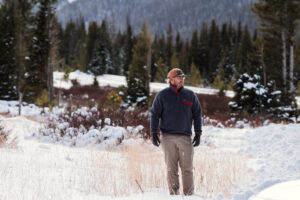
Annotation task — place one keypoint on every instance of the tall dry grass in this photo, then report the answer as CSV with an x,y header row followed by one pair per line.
x,y
215,172
146,169
3,136
66,173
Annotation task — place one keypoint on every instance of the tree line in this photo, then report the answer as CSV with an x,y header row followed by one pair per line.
x,y
27,49
33,44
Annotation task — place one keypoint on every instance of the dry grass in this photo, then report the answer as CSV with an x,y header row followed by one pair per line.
x,y
146,169
3,139
3,136
215,172
58,172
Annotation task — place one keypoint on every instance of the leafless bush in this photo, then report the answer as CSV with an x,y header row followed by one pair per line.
x,y
214,107
3,136
91,96
85,119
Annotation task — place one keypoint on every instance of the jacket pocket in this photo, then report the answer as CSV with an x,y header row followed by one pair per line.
x,y
187,103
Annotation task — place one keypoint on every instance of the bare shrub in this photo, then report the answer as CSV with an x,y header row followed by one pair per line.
x,y
213,105
85,95
214,108
3,136
91,96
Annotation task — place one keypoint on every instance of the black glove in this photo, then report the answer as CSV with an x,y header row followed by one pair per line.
x,y
196,140
155,139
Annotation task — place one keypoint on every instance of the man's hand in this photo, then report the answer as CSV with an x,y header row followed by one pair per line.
x,y
155,139
196,140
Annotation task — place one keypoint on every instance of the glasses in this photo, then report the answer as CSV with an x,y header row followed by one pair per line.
x,y
179,77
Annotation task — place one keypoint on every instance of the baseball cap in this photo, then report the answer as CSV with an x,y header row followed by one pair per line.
x,y
175,72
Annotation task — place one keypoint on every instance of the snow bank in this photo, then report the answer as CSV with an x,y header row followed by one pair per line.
x,y
275,150
289,190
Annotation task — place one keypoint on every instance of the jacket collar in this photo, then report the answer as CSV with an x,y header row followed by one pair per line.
x,y
176,90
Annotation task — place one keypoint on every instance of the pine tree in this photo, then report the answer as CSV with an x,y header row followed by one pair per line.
x,y
250,94
118,54
279,21
219,81
254,59
194,49
8,79
169,46
174,60
272,99
68,43
37,70
194,78
214,50
247,94
203,51
155,58
15,23
128,47
245,49
138,79
101,62
161,72
79,43
91,41
158,51
183,58
178,43
227,61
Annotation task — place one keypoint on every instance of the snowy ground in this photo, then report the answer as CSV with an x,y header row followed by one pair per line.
x,y
230,163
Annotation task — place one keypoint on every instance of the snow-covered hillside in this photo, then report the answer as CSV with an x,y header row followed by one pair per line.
x,y
184,16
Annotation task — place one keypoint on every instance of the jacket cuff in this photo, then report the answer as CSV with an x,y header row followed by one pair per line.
x,y
198,133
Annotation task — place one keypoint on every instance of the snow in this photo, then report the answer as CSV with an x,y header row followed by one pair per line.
x,y
288,190
231,163
58,170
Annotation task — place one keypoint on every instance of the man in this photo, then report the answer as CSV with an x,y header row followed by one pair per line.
x,y
173,111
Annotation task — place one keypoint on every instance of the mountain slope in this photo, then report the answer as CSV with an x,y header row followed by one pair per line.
x,y
185,16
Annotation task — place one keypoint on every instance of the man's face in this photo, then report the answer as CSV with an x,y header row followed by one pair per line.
x,y
177,81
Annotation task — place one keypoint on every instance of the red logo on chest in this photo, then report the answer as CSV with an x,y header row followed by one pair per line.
x,y
187,103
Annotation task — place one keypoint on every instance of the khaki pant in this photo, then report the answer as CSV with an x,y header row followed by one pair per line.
x,y
179,150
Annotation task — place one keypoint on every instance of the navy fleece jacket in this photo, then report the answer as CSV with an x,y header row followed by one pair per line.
x,y
174,111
